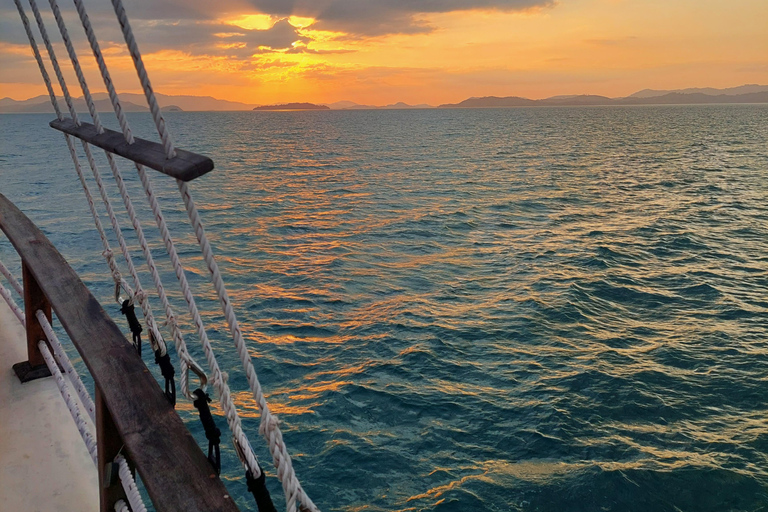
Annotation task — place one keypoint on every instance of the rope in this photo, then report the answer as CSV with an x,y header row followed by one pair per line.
x,y
258,488
167,371
146,309
120,506
74,409
66,364
133,48
126,478
224,394
39,59
269,427
6,293
54,62
181,347
75,63
94,42
107,253
129,485
129,311
212,432
14,283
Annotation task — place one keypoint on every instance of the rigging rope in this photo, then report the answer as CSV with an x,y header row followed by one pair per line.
x,y
74,409
269,426
129,485
11,279
66,364
6,293
181,348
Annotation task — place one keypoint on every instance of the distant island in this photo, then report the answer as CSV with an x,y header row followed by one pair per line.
x,y
173,103
672,98
294,106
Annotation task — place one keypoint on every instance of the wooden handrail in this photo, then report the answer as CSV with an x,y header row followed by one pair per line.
x,y
175,472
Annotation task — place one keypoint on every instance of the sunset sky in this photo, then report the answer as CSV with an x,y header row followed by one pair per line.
x,y
428,51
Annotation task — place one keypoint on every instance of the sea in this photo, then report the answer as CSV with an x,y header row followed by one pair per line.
x,y
452,310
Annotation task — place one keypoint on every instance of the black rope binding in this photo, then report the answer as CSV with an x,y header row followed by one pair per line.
x,y
212,432
258,487
133,323
167,370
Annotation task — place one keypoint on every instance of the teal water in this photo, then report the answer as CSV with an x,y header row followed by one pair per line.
x,y
455,310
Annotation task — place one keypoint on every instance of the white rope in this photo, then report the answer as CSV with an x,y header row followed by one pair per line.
x,y
66,363
107,253
75,63
219,381
181,347
82,426
120,506
269,426
6,293
54,62
133,48
156,338
39,59
129,485
11,279
94,42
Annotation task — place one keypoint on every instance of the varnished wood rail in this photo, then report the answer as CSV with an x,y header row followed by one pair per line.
x,y
133,415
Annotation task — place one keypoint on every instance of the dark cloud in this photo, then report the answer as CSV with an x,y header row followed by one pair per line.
x,y
194,26
196,35
208,38
377,17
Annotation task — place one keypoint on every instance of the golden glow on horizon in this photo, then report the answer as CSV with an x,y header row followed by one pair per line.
x,y
608,47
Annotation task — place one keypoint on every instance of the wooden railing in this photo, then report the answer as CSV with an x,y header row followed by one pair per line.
x,y
133,417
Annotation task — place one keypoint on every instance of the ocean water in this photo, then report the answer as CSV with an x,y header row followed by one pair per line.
x,y
466,310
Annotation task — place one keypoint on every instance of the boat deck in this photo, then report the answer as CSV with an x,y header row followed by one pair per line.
x,y
45,465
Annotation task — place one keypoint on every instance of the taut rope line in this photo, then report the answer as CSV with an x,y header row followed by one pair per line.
x,y
269,425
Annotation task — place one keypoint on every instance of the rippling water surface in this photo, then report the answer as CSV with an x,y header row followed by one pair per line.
x,y
455,310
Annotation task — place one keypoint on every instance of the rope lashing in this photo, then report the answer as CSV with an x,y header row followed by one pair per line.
x,y
258,487
167,370
134,325
212,432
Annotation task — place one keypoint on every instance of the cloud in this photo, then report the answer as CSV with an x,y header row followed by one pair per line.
x,y
378,17
212,38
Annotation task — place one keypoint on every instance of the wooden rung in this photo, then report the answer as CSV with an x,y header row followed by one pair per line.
x,y
185,166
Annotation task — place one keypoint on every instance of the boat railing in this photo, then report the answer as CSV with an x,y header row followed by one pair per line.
x,y
133,418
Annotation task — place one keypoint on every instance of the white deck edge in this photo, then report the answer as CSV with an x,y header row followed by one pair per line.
x,y
44,465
